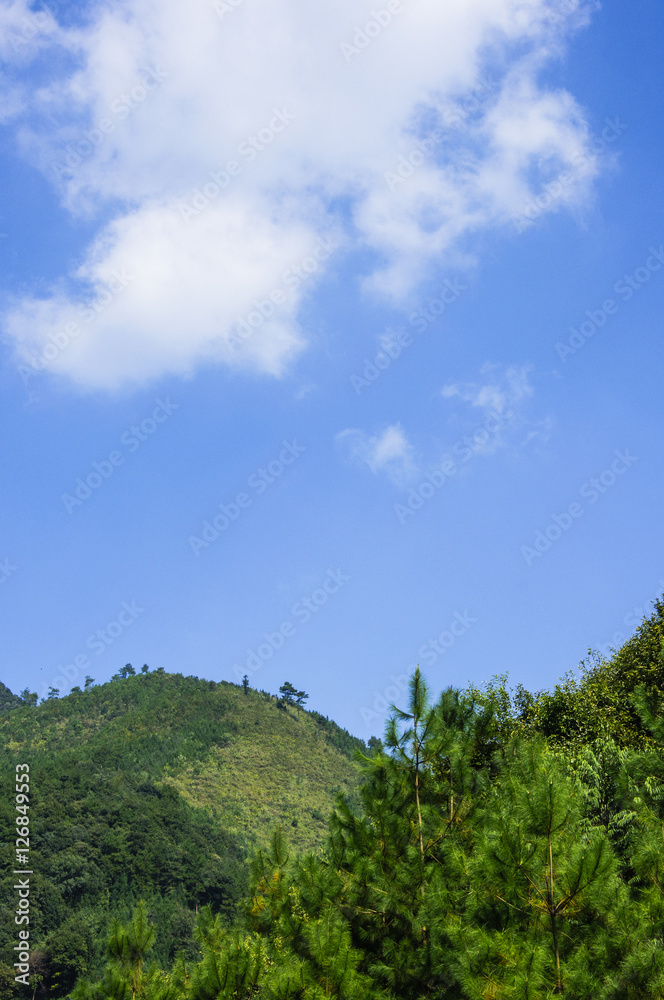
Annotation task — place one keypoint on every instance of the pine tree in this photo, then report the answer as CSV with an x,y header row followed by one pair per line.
x,y
299,906
643,788
400,859
288,693
127,977
547,903
417,741
232,962
300,698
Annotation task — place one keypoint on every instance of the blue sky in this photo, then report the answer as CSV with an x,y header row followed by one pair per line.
x,y
331,341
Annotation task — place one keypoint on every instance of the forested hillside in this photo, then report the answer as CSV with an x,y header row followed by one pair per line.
x,y
156,786
496,845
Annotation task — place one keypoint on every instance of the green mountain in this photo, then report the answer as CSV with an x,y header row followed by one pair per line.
x,y
506,848
499,844
156,786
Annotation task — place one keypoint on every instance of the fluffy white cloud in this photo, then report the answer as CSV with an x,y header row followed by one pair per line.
x,y
161,297
389,452
427,124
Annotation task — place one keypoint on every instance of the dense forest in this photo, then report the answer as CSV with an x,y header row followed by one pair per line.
x,y
494,844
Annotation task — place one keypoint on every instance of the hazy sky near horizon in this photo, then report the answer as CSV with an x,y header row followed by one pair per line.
x,y
331,340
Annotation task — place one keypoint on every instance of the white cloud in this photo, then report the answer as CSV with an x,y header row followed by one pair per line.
x,y
306,390
502,398
173,308
388,451
23,33
508,386
164,93
23,30
495,416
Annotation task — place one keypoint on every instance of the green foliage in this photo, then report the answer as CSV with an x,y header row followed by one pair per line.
x,y
69,951
288,693
127,975
475,870
291,696
598,704
335,736
155,786
7,699
9,989
547,887
495,845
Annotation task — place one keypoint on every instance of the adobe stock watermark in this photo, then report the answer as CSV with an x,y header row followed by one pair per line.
x,y
131,440
533,209
449,292
22,790
32,25
430,652
626,287
303,611
365,34
464,449
7,570
409,162
591,491
258,482
199,199
98,642
89,312
459,110
393,342
389,695
291,279
453,115
73,155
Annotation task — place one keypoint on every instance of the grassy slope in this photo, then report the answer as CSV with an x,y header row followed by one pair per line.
x,y
279,769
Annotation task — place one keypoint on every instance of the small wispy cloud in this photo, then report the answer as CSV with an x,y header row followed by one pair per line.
x,y
502,396
505,388
387,452
306,390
